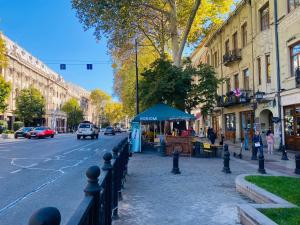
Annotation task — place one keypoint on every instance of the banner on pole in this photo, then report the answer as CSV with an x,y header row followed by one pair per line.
x,y
135,137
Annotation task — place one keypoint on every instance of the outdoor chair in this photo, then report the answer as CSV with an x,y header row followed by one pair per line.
x,y
208,150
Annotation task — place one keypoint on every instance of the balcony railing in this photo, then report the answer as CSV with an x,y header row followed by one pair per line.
x,y
232,56
231,99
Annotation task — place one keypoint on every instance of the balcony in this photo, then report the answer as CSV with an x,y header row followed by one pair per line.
x,y
232,56
231,99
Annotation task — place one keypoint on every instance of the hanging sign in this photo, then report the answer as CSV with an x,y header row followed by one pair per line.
x,y
136,137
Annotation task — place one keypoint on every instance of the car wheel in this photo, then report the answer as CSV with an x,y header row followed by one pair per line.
x,y
92,137
29,137
78,137
97,136
83,137
16,137
52,136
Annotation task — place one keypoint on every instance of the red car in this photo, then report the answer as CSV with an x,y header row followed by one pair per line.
x,y
41,132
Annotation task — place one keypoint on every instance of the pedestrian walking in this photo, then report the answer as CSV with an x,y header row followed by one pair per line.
x,y
270,141
257,142
209,132
201,133
212,136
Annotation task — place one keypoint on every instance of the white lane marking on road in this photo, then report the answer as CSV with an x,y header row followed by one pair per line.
x,y
77,149
46,160
16,171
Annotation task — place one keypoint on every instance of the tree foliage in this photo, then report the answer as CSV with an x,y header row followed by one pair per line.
x,y
30,105
73,111
176,86
5,87
168,25
114,112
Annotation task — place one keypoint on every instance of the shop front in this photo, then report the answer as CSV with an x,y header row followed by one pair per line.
x,y
292,126
230,126
247,125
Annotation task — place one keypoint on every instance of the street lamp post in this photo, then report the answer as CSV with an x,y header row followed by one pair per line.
x,y
136,78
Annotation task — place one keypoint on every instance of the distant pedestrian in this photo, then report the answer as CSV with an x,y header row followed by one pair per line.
x,y
201,133
257,142
270,141
208,132
212,136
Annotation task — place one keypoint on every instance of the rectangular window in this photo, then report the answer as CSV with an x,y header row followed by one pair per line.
x,y
235,41
246,79
216,59
264,17
244,34
295,59
268,69
227,49
228,85
289,121
230,121
292,4
259,70
236,81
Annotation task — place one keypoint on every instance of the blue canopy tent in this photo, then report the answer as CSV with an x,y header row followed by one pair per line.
x,y
162,112
157,113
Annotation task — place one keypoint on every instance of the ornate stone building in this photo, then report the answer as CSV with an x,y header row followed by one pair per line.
x,y
24,70
243,52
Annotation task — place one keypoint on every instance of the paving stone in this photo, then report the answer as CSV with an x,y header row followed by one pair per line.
x,y
201,194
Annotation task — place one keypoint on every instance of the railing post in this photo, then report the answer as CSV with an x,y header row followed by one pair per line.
x,y
107,189
175,168
226,168
297,162
48,216
115,182
93,189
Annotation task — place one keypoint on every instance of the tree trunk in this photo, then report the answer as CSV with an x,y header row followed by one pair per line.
x,y
174,33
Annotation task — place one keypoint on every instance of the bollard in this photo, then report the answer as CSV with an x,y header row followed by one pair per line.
x,y
297,161
175,169
107,161
163,148
226,168
261,164
254,153
197,149
115,152
284,153
48,215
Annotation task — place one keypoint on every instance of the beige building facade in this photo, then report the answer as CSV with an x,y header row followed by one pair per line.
x,y
243,53
25,70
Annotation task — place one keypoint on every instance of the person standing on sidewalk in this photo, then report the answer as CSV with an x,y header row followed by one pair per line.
x,y
257,142
270,141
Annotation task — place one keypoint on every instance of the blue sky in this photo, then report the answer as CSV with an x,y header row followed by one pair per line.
x,y
50,31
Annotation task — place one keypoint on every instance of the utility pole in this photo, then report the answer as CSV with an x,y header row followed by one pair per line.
x,y
136,78
278,68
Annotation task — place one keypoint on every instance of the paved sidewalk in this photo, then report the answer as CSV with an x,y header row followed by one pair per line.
x,y
272,162
201,194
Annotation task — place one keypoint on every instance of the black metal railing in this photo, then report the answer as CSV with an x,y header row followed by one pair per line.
x,y
232,56
102,193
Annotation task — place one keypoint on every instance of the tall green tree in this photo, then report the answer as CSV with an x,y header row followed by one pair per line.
x,y
30,106
114,112
73,111
5,87
99,98
168,25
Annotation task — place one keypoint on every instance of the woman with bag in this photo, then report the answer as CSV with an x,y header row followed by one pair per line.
x,y
257,142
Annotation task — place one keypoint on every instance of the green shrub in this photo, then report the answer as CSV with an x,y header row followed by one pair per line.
x,y
3,123
17,125
8,132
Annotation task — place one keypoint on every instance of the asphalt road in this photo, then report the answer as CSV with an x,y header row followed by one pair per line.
x,y
46,172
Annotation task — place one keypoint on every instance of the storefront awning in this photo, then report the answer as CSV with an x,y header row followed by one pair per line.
x,y
162,112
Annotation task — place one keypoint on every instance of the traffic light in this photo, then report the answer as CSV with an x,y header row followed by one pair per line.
x,y
89,66
62,66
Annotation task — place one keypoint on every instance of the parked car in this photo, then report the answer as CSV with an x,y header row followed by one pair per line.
x,y
109,130
118,130
41,132
23,132
87,129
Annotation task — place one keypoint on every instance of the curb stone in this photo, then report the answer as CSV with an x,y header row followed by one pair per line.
x,y
248,213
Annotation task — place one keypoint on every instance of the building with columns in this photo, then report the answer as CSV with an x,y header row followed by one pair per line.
x,y
259,89
24,70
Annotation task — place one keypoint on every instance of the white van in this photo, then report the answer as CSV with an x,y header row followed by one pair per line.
x,y
86,129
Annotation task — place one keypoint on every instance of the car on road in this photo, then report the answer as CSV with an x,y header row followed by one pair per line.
x,y
109,130
41,132
118,130
23,132
87,129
